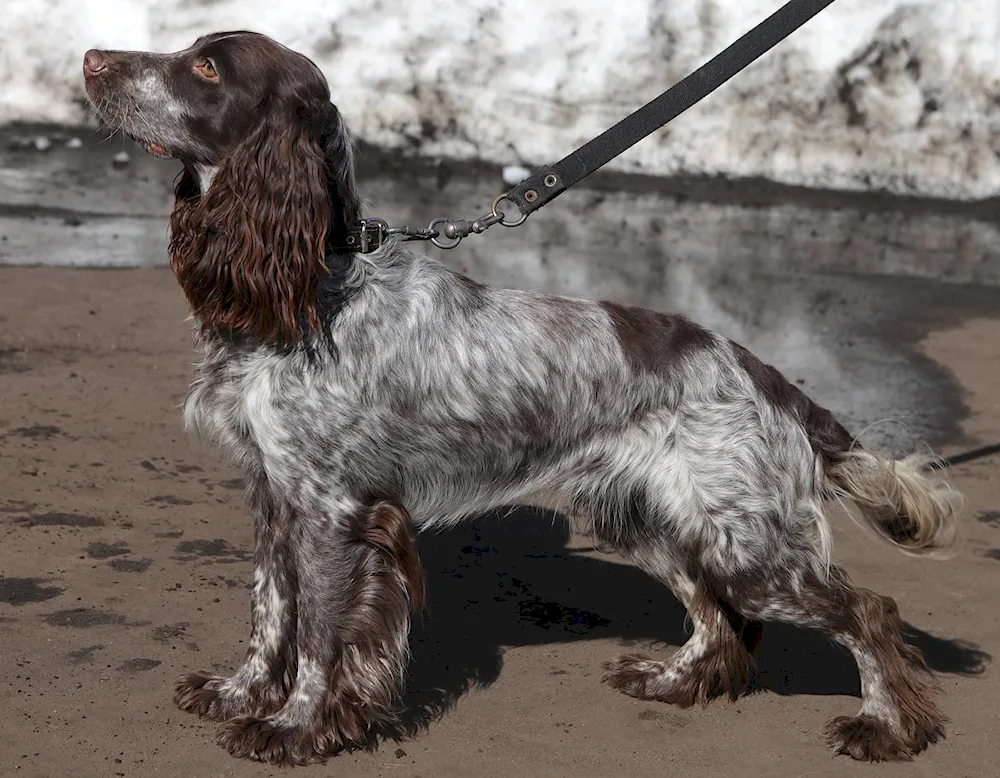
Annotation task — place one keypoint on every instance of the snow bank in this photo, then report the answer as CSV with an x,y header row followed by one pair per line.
x,y
871,93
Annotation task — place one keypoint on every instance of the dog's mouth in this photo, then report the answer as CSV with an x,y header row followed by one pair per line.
x,y
156,149
152,147
111,115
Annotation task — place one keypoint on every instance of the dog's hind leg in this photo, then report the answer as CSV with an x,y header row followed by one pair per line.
x,y
898,717
715,661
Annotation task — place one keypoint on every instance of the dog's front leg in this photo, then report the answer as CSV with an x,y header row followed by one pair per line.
x,y
358,576
260,686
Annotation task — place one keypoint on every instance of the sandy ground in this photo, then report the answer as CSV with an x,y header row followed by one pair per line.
x,y
126,558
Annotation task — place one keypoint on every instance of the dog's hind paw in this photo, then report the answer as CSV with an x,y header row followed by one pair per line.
x,y
682,681
631,673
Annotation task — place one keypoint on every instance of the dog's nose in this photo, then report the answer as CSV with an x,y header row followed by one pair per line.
x,y
93,63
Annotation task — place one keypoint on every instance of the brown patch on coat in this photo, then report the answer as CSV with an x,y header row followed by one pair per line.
x,y
655,342
828,437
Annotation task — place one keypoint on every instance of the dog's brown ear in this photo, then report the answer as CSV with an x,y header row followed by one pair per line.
x,y
250,251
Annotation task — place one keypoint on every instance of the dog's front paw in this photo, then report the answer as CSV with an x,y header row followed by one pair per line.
x,y
200,693
220,699
267,740
867,739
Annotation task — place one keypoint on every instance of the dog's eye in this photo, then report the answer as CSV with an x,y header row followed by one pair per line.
x,y
207,69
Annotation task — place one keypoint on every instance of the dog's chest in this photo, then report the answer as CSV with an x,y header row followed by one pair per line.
x,y
234,400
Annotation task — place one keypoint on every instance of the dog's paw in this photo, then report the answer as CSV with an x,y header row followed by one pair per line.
x,y
219,699
632,674
200,693
867,739
682,682
649,679
267,740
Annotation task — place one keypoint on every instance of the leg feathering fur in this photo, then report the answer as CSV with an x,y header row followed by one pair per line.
x,y
357,586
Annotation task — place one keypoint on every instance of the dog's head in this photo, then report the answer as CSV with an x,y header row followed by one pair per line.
x,y
268,185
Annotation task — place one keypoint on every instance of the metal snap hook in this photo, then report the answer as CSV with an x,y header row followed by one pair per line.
x,y
446,232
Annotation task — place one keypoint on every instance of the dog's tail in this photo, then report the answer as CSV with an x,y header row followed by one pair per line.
x,y
900,499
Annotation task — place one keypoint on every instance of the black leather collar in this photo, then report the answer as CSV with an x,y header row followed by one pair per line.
x,y
362,238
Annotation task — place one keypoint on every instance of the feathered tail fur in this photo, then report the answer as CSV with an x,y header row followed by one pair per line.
x,y
900,499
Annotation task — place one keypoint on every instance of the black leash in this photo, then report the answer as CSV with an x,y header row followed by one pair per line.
x,y
547,183
550,181
966,456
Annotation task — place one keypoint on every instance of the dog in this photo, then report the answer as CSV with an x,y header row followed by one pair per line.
x,y
369,395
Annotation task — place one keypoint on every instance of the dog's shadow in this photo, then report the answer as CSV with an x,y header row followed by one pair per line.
x,y
510,580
